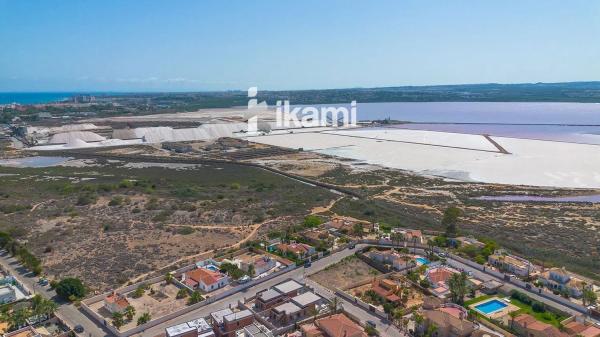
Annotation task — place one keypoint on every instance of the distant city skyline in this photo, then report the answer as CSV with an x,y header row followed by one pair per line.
x,y
190,45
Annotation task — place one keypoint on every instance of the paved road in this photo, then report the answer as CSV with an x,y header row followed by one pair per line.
x,y
482,275
66,311
232,301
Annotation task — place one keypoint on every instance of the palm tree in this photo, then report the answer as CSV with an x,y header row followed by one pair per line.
x,y
117,319
144,318
512,315
169,278
314,313
333,305
18,318
458,287
130,312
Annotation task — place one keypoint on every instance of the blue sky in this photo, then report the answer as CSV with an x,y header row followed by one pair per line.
x,y
133,45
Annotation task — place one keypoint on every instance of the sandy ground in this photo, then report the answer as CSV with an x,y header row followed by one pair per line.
x,y
345,273
458,156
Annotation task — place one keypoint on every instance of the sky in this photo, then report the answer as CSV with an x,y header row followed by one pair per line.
x,y
200,45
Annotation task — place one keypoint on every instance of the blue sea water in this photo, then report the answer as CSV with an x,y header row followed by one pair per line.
x,y
33,97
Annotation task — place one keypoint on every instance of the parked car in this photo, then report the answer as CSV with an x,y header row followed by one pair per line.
x,y
371,324
78,328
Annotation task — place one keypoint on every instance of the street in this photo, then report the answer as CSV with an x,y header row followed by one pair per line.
x,y
66,311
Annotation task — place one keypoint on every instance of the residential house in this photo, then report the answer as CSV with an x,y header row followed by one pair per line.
x,y
438,279
338,325
204,279
527,325
254,330
115,302
260,264
268,299
450,320
575,328
226,322
340,224
289,288
391,257
466,241
300,250
297,308
277,294
8,294
196,328
413,235
558,279
511,264
387,289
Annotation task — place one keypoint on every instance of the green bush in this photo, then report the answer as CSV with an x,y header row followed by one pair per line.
x,y
70,288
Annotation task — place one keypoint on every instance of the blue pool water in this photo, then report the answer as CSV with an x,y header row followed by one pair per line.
x,y
212,267
490,307
422,260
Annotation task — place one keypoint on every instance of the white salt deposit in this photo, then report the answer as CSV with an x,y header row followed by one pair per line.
x,y
531,162
70,137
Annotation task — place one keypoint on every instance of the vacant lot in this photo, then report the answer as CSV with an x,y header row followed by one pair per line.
x,y
345,273
108,222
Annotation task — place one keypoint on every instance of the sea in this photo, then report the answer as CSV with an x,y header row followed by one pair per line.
x,y
34,97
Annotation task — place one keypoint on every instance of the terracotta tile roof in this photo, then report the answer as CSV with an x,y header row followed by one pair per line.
x,y
205,276
528,322
591,331
118,300
439,274
340,326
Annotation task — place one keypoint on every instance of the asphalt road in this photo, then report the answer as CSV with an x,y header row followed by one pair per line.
x,y
66,311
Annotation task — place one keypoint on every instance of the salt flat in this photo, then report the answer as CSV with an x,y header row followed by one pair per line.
x,y
458,156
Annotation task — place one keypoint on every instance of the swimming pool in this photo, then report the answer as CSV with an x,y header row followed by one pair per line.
x,y
490,307
212,267
422,260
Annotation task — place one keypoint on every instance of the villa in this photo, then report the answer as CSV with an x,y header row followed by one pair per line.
x,y
338,325
204,279
527,325
260,264
438,279
391,257
196,328
558,279
226,322
450,320
116,303
301,250
511,264
386,289
7,294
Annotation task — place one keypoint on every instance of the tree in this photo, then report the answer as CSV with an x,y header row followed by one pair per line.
x,y
312,311
70,288
117,319
251,270
195,298
182,293
144,318
312,221
512,315
169,278
18,318
450,220
357,229
139,291
333,305
41,306
458,287
130,312
431,330
589,297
